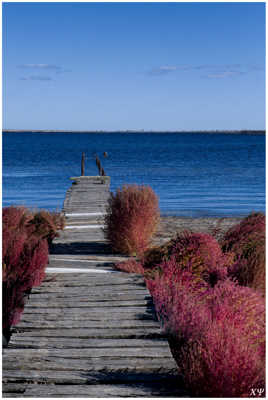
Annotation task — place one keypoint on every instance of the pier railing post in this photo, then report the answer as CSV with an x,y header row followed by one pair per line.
x,y
83,164
100,168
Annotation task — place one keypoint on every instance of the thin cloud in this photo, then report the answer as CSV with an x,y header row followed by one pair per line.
x,y
40,66
224,74
37,69
165,69
36,78
210,70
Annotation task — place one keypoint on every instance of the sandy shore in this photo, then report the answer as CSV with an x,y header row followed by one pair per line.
x,y
169,226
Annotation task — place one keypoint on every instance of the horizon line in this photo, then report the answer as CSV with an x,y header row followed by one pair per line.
x,y
136,131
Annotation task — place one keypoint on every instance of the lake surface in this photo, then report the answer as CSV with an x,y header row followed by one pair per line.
x,y
193,174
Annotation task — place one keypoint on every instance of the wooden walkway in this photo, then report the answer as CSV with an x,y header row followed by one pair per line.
x,y
88,330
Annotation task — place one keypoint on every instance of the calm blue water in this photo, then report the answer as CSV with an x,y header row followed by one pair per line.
x,y
193,174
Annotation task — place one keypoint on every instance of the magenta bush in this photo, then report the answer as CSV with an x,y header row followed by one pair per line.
x,y
252,225
24,258
24,262
16,217
199,253
216,333
132,218
247,242
229,359
177,299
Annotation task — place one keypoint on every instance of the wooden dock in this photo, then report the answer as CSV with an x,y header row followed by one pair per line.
x,y
88,330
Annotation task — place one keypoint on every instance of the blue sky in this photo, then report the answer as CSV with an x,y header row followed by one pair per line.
x,y
152,66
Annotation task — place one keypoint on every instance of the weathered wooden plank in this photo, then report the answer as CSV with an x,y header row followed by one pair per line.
x,y
93,311
105,289
81,264
65,264
13,387
90,322
48,342
91,333
114,286
89,377
128,365
106,279
121,352
92,298
112,277
83,320
115,277
155,389
81,303
94,365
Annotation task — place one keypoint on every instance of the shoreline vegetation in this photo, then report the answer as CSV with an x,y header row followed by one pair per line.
x,y
217,131
208,289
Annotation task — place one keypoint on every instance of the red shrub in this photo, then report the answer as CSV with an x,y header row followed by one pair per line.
x,y
132,217
131,266
36,252
12,248
175,295
24,258
199,253
229,359
247,241
16,217
24,262
253,225
216,334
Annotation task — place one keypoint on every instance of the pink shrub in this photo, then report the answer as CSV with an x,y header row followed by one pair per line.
x,y
247,241
36,260
199,253
16,217
131,220
24,262
131,265
177,299
24,258
216,333
12,247
254,225
229,359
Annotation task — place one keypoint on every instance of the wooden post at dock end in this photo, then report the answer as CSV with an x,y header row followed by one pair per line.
x,y
83,164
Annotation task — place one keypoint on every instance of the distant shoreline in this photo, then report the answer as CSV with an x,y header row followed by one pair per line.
x,y
230,132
